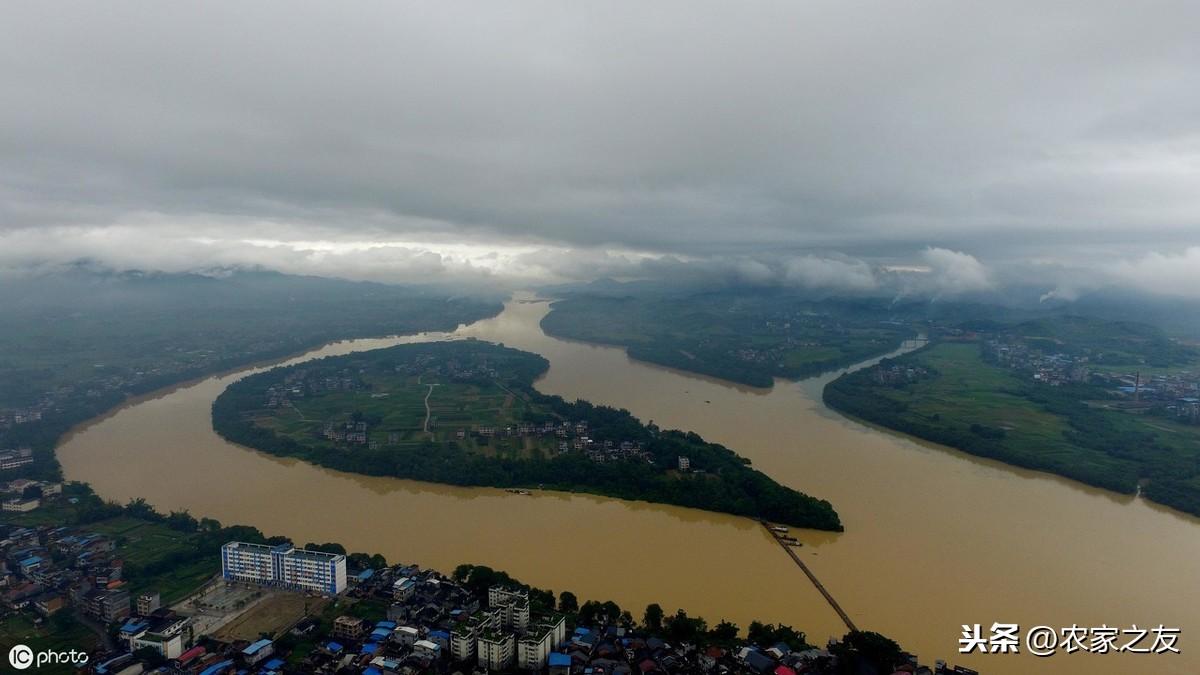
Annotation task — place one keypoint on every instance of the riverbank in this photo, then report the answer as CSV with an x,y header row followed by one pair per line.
x,y
947,394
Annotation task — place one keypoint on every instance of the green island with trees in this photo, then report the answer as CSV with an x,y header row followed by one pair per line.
x,y
466,413
1044,395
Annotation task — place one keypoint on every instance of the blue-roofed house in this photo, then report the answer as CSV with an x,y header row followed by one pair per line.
x,y
560,664
332,647
218,668
258,651
133,628
759,662
440,637
273,666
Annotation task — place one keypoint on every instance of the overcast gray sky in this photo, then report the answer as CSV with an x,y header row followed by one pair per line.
x,y
810,143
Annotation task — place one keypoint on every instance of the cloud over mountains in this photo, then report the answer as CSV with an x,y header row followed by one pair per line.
x,y
816,144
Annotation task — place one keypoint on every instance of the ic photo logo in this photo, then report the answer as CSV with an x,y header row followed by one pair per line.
x,y
22,657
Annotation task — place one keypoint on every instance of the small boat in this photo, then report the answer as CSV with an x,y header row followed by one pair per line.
x,y
778,528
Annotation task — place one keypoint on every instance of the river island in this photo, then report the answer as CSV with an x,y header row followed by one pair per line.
x,y
466,413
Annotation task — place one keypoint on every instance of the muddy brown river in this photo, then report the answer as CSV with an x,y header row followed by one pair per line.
x,y
934,538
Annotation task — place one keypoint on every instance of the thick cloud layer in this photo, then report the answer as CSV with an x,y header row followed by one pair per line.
x,y
805,143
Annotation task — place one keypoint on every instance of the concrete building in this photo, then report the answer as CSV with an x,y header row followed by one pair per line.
x,y
258,651
465,636
534,648
21,504
107,605
403,589
513,605
406,636
284,566
14,459
495,650
168,636
427,648
169,646
148,602
349,628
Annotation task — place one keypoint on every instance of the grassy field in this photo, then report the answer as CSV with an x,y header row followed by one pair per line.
x,y
396,406
967,392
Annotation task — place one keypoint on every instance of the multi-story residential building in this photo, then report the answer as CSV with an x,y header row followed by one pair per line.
x,y
427,649
284,566
513,605
534,648
495,650
406,636
168,635
148,602
465,635
21,504
107,605
13,459
462,643
349,627
403,589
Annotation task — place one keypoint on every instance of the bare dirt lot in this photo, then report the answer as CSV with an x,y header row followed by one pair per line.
x,y
271,616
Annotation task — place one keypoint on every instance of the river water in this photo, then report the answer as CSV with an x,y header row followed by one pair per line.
x,y
934,538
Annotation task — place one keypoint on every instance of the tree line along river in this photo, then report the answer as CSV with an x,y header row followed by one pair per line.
x,y
934,538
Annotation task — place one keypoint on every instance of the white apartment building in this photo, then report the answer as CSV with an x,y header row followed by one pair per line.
x,y
285,566
496,650
533,649
465,636
513,605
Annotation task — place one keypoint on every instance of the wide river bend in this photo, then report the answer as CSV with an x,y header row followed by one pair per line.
x,y
934,538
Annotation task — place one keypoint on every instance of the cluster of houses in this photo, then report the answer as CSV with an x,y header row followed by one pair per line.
x,y
1177,394
45,569
567,436
1050,369
570,436
451,369
350,432
304,382
23,494
14,416
892,373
